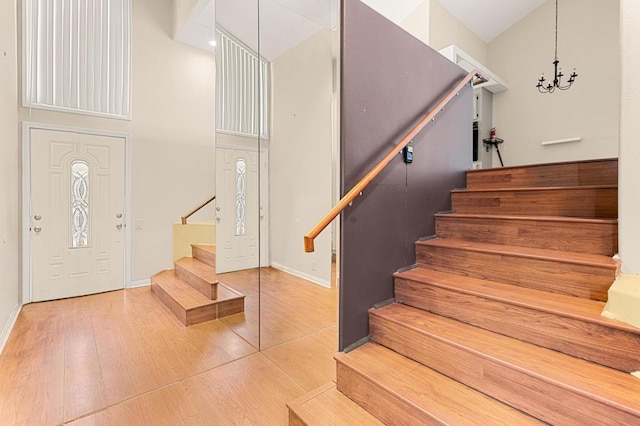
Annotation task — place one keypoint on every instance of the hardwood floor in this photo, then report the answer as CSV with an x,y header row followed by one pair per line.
x,y
123,358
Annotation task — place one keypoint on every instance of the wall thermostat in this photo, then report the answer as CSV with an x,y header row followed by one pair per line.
x,y
407,153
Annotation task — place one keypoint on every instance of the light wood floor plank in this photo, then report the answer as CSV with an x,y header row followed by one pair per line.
x,y
316,367
121,358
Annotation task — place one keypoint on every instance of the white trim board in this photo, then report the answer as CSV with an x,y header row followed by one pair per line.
x,y
303,275
559,141
140,283
26,197
8,327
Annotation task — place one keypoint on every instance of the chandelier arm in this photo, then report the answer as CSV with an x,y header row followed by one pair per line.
x,y
556,82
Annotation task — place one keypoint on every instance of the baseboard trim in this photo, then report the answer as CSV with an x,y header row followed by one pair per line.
x,y
304,275
8,327
140,283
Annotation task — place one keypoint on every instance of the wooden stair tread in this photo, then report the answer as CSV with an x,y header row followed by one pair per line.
x,y
326,405
605,385
561,219
589,172
533,189
434,395
529,252
540,165
187,296
557,304
226,293
571,325
184,294
198,268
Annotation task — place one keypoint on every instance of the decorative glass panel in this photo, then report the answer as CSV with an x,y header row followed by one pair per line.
x,y
79,204
241,185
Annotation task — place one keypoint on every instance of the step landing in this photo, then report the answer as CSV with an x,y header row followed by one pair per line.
x,y
189,305
326,405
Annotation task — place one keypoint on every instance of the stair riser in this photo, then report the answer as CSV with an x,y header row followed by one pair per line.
x,y
295,420
594,342
204,256
572,202
596,238
175,307
604,172
586,281
210,290
381,403
536,396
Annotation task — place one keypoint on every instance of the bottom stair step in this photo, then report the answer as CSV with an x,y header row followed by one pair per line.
x,y
189,305
398,390
326,405
554,387
567,324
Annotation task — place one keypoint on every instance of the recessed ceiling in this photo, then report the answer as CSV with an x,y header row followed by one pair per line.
x,y
286,23
283,23
490,18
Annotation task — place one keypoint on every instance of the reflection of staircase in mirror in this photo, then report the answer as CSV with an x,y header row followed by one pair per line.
x,y
192,292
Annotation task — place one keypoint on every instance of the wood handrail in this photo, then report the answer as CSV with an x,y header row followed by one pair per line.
x,y
188,215
375,171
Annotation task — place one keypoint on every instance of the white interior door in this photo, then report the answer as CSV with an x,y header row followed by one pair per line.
x,y
239,216
77,235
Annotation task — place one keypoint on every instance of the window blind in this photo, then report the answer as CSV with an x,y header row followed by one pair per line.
x,y
76,56
242,88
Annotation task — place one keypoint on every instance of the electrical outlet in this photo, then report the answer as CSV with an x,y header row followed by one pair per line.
x,y
139,224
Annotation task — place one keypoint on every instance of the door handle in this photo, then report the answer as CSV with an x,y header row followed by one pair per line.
x,y
37,217
119,226
37,229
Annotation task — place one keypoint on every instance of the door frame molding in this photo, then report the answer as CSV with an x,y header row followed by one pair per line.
x,y
27,126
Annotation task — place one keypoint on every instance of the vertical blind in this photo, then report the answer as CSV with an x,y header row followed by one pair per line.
x,y
243,89
76,56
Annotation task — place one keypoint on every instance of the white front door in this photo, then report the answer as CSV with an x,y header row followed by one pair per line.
x,y
240,218
77,235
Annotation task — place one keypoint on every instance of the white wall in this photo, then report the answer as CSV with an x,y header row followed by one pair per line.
x,y
181,13
629,172
300,156
172,129
588,41
445,29
9,177
417,23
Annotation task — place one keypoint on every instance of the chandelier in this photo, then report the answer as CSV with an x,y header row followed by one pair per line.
x,y
557,71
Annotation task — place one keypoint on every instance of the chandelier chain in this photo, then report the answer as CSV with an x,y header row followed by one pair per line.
x,y
556,52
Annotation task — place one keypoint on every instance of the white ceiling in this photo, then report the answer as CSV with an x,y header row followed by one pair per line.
x,y
490,18
286,23
283,23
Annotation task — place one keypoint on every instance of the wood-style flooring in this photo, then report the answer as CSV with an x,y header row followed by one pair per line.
x,y
121,358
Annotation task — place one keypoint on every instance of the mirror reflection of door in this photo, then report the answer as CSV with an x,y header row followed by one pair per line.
x,y
239,215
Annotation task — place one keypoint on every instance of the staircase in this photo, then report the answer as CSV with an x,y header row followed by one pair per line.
x,y
191,290
499,322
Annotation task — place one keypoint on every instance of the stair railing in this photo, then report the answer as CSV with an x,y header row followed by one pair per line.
x,y
375,171
188,215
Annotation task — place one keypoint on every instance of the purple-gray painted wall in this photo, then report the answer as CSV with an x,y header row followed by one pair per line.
x,y
390,80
